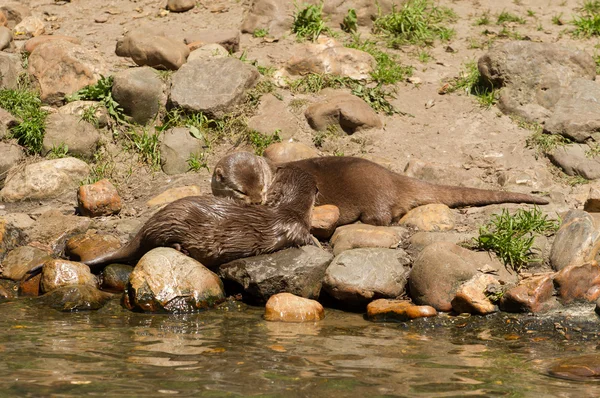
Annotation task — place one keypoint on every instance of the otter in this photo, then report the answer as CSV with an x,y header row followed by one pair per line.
x,y
216,230
362,190
250,187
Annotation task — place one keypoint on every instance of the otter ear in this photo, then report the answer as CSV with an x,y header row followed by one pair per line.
x,y
219,174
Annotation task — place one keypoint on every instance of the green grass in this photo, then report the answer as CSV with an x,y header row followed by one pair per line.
x,y
147,147
376,97
511,237
557,19
308,23
544,143
471,82
587,23
530,13
58,152
102,92
314,82
484,19
350,22
389,70
260,141
25,105
89,115
260,33
424,57
197,162
505,16
417,22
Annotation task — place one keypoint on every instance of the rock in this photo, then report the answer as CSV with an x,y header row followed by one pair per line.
x,y
355,236
21,260
576,114
592,203
10,69
43,180
52,229
578,282
180,5
534,75
77,108
10,237
60,68
3,20
34,42
75,298
579,368
173,194
58,273
286,307
347,111
165,280
83,247
80,137
10,155
228,38
329,56
432,217
283,152
213,86
29,27
421,240
273,115
576,242
98,199
114,277
14,12
30,287
20,221
533,294
7,121
6,37
147,48
140,92
324,220
8,289
442,267
208,51
177,145
471,296
358,276
385,310
298,271
574,161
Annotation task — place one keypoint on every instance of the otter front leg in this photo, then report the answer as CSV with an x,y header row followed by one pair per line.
x,y
179,248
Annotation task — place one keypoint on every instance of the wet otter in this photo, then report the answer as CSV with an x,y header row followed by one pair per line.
x,y
363,190
250,187
217,230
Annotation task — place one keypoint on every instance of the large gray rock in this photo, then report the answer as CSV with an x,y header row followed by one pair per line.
x,y
577,113
577,241
43,180
346,111
10,68
575,160
61,68
534,75
296,270
273,115
358,276
80,137
176,147
75,298
147,47
165,280
212,86
10,155
140,92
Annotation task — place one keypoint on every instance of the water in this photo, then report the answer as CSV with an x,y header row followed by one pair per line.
x,y
231,351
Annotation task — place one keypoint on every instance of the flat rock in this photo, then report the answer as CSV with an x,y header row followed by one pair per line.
x,y
356,236
10,155
285,307
149,48
61,68
533,294
534,75
98,199
34,42
80,137
213,87
283,152
165,280
324,220
180,5
140,92
59,273
578,282
228,38
114,277
52,229
347,111
75,298
574,161
298,271
386,310
171,195
83,247
43,180
208,51
10,69
471,296
576,242
358,276
432,217
21,260
273,115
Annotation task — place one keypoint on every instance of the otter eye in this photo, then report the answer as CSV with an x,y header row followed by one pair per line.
x,y
240,192
316,190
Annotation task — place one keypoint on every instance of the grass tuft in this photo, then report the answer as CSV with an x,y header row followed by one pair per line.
x,y
389,70
102,92
471,82
196,162
587,23
25,105
260,141
350,22
505,16
308,23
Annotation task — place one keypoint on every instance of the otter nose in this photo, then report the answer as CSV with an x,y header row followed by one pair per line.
x,y
257,199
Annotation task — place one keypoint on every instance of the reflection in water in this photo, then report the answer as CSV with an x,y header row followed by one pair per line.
x,y
115,352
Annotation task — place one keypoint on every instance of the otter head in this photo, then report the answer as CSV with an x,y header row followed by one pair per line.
x,y
243,176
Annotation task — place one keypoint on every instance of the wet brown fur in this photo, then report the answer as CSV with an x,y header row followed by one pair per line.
x,y
366,191
217,230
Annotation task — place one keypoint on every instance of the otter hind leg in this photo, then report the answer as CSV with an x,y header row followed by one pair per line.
x,y
381,219
179,248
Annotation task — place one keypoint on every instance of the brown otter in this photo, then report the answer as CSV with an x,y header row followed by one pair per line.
x,y
363,190
251,187
217,230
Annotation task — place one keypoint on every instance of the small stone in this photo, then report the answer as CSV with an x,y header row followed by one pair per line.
x,y
173,194
146,48
355,236
85,247
10,69
75,298
208,51
10,237
114,277
385,310
432,217
177,145
34,42
347,111
101,19
228,38
324,220
10,155
578,282
6,37
21,260
534,294
30,287
576,242
180,5
579,368
29,27
140,92
471,298
574,161
7,121
98,199
273,115
286,307
284,152
58,273
592,203
78,136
